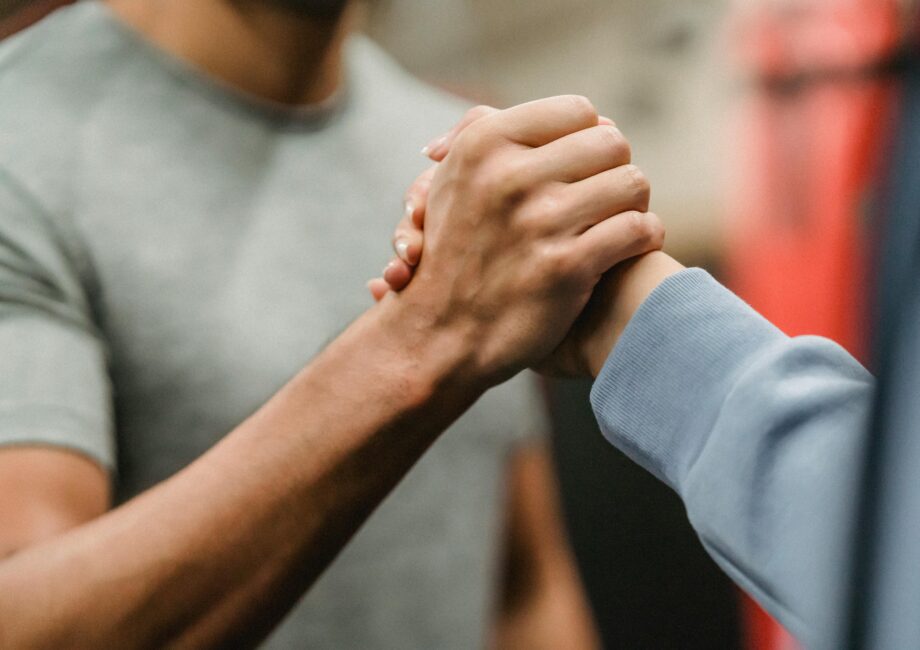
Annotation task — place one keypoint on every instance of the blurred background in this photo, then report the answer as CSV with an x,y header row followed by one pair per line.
x,y
654,66
764,127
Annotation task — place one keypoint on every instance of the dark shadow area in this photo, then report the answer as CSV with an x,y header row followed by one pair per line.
x,y
650,581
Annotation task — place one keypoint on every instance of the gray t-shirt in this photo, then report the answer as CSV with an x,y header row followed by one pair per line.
x,y
172,252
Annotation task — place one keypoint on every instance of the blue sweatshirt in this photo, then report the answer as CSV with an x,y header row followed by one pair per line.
x,y
763,436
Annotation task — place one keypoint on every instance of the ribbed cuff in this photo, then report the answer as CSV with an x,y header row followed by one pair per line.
x,y
662,388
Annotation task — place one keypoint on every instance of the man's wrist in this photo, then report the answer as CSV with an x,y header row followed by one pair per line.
x,y
433,360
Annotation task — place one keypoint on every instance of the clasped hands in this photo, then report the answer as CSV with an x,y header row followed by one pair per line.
x,y
521,217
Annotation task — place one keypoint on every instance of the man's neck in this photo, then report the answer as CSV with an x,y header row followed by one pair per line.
x,y
263,51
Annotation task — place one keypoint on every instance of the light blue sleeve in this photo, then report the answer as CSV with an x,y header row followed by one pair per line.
x,y
761,435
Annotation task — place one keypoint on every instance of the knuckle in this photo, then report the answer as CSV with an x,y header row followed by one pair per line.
x,y
551,260
506,178
478,112
637,182
641,229
545,209
657,231
552,257
560,263
473,144
638,227
608,136
616,143
583,107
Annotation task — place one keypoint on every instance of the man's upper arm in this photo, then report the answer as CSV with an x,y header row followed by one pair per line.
x,y
45,491
56,434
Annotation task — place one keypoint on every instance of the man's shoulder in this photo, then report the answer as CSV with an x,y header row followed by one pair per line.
x,y
51,76
392,114
55,59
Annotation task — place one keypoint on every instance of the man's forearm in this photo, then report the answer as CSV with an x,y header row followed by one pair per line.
x,y
223,549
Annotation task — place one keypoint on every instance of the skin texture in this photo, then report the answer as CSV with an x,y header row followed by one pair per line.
x,y
615,299
265,52
614,303
282,493
550,201
72,490
518,237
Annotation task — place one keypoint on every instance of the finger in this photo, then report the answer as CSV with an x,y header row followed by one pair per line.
x,y
540,122
620,238
416,198
439,147
397,274
582,154
378,288
408,242
588,202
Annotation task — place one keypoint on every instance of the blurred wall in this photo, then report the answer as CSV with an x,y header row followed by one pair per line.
x,y
654,66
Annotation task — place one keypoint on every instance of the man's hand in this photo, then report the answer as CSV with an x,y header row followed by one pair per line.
x,y
520,228
589,179
408,239
615,300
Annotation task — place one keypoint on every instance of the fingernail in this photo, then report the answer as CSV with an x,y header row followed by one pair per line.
x,y
433,146
410,209
386,271
402,249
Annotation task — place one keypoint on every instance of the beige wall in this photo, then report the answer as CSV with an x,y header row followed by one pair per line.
x,y
657,67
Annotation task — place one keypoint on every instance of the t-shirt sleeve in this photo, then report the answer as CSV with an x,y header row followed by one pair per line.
x,y
54,386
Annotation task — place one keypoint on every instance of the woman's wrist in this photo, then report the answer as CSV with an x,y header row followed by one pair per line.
x,y
628,287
